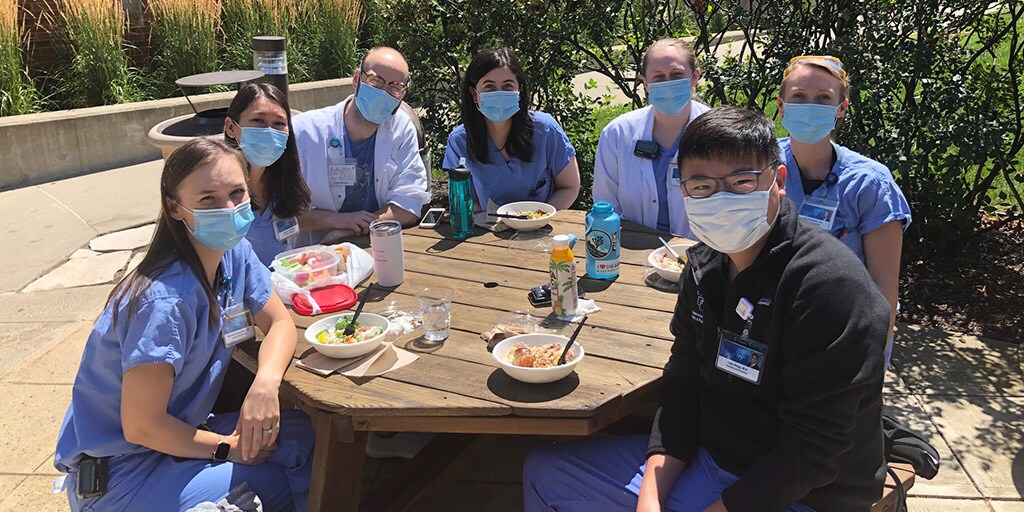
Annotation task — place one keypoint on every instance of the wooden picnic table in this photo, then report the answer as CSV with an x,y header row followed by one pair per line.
x,y
458,388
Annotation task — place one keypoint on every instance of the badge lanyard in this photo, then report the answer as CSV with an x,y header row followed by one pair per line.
x,y
238,322
674,179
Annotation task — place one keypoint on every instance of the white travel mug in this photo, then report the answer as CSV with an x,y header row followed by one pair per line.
x,y
386,244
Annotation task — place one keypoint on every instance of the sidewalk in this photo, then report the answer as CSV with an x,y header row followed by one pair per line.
x,y
966,394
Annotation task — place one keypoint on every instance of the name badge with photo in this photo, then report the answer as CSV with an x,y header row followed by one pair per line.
x,y
673,173
285,228
238,325
820,211
342,173
741,356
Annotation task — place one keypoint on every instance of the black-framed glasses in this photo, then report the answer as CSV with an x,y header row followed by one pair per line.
x,y
396,89
739,182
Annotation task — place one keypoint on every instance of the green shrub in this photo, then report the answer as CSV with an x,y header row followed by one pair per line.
x,y
17,92
93,64
183,41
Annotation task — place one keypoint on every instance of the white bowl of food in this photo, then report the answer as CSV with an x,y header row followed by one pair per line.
x,y
520,356
665,264
539,214
327,335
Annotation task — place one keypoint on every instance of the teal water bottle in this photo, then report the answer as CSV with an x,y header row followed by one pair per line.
x,y
460,200
603,232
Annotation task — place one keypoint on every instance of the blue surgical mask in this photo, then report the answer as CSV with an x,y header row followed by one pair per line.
x,y
374,104
669,97
222,228
262,146
809,122
499,106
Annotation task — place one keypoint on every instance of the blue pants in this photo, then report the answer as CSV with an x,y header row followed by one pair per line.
x,y
153,481
604,475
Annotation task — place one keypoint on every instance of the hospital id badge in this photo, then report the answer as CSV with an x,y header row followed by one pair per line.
x,y
285,228
673,173
740,356
238,325
819,211
343,173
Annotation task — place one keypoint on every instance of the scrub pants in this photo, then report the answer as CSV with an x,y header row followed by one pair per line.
x,y
604,475
153,481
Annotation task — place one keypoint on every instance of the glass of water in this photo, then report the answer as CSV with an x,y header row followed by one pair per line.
x,y
436,309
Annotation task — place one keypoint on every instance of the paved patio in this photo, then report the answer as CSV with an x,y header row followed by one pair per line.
x,y
66,243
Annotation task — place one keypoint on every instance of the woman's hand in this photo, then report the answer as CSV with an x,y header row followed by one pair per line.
x,y
235,456
259,421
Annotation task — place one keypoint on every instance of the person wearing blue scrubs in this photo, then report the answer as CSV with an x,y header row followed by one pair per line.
x,y
848,194
156,357
259,123
513,153
635,169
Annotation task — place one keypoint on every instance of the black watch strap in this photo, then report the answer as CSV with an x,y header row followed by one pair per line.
x,y
222,451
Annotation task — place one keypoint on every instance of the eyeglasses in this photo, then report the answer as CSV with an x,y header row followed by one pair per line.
x,y
740,182
829,61
396,89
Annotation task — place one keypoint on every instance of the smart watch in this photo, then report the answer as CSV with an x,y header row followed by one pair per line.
x,y
222,451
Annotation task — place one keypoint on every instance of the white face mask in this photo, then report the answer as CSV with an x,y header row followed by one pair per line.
x,y
729,222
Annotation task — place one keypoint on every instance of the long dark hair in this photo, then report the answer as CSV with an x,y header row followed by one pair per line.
x,y
520,139
170,240
284,186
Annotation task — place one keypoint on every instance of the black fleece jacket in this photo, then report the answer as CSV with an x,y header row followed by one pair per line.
x,y
810,432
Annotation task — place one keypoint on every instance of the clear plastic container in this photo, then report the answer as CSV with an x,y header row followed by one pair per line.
x,y
307,265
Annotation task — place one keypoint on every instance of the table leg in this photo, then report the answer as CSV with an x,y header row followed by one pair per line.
x,y
337,464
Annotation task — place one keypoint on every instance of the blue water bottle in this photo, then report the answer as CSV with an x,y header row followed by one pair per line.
x,y
603,232
460,201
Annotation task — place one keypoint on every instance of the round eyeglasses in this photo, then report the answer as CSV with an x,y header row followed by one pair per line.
x,y
739,182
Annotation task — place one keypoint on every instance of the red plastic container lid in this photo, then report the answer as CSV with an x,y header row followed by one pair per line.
x,y
335,297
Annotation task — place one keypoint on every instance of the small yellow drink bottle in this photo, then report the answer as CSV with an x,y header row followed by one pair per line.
x,y
563,278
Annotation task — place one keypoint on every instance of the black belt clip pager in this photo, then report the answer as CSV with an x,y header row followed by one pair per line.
x,y
646,149
92,477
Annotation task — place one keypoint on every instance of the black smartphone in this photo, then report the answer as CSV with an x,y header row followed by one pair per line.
x,y
92,477
646,149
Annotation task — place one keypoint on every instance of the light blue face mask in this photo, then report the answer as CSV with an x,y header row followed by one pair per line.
x,y
669,97
499,106
809,123
262,146
221,228
376,105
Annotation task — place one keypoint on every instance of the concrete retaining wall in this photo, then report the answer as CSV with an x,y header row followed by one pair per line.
x,y
43,147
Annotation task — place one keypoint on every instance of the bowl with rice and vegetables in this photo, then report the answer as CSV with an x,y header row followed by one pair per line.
x,y
328,337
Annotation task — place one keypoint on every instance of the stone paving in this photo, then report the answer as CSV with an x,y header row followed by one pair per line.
x,y
67,242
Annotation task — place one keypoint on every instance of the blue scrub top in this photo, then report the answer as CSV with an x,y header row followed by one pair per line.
x,y
361,197
261,236
507,182
868,195
665,155
171,325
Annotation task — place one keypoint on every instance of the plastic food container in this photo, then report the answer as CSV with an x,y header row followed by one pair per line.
x,y
307,265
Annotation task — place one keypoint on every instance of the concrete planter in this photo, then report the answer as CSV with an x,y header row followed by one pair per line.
x,y
54,145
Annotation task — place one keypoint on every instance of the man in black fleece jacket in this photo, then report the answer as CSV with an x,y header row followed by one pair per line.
x,y
800,432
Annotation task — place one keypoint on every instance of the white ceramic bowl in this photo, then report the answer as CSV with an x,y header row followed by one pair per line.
x,y
669,274
343,351
522,206
535,375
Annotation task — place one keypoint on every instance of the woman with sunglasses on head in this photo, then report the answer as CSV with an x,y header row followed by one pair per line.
x,y
513,153
140,417
259,123
636,169
848,194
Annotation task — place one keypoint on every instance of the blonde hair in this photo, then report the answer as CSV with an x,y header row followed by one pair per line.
x,y
830,65
678,42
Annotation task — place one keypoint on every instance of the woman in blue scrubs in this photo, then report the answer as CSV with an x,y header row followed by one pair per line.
x,y
513,153
155,361
259,123
846,193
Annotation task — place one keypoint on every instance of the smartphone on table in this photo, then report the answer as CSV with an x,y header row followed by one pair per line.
x,y
432,218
